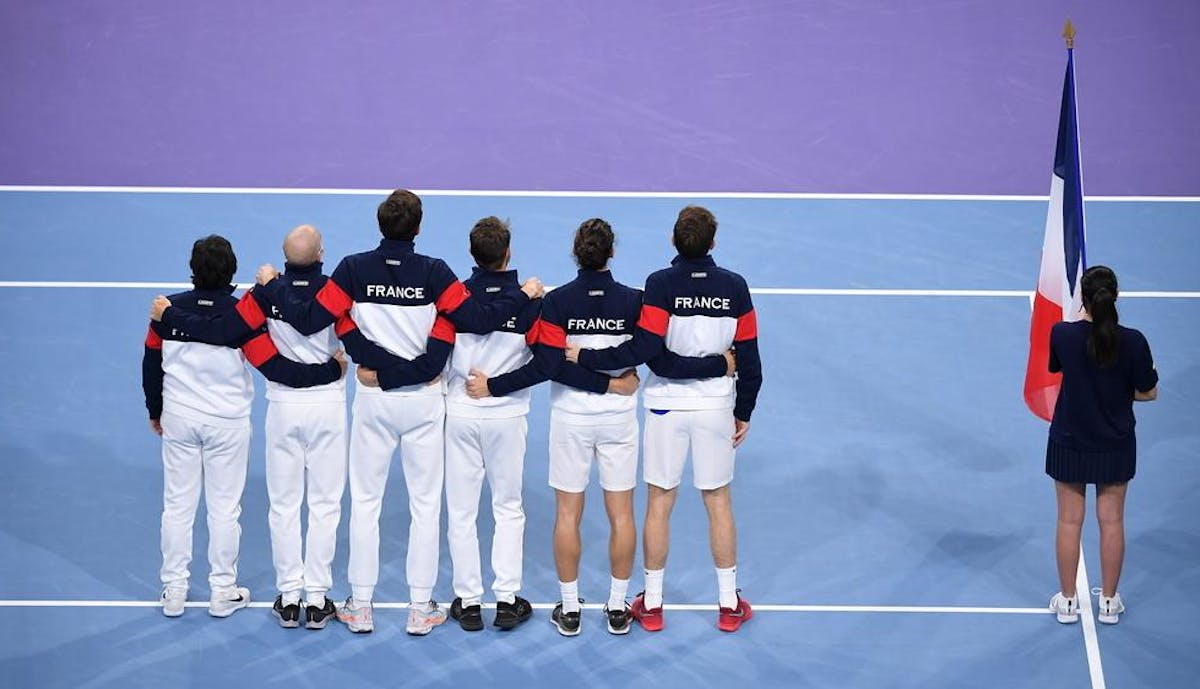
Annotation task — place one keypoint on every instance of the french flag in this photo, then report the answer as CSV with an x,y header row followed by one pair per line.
x,y
1063,256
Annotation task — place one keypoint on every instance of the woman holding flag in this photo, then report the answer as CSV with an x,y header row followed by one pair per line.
x,y
1105,367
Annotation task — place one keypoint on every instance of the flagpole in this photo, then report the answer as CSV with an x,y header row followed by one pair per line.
x,y
1068,35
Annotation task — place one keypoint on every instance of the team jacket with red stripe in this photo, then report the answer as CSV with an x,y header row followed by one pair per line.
x,y
253,311
209,383
593,310
407,303
694,308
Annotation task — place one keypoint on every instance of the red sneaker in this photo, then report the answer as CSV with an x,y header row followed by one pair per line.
x,y
730,620
651,619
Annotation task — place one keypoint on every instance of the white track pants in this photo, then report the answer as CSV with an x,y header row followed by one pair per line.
x,y
381,422
495,448
197,456
305,438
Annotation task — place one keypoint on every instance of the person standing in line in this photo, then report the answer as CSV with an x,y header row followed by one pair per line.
x,y
693,308
1105,368
402,301
587,425
198,397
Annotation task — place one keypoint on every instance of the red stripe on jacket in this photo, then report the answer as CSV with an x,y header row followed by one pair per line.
x,y
334,299
550,334
153,340
654,319
452,297
251,312
747,327
443,330
259,350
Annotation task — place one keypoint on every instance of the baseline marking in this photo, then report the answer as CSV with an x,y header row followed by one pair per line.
x,y
775,291
533,193
937,609
1090,641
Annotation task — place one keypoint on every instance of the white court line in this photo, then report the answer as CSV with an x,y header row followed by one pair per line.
x,y
1091,643
518,193
778,291
951,609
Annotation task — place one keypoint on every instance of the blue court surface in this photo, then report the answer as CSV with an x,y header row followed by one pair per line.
x,y
896,528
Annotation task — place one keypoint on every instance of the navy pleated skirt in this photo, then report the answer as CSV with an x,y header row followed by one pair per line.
x,y
1070,465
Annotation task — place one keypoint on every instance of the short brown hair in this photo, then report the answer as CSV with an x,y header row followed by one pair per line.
x,y
489,242
400,215
695,230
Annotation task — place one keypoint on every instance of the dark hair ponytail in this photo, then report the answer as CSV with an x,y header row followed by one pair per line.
x,y
593,244
1099,287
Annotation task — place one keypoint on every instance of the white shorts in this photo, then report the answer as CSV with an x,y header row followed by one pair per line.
x,y
613,446
709,432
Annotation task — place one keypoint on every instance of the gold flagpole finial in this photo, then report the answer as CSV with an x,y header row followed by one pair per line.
x,y
1069,34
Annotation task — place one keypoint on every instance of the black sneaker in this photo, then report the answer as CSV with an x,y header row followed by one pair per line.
x,y
288,615
566,622
509,615
618,620
317,618
469,618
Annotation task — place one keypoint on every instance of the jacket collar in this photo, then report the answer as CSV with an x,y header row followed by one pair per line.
x,y
705,261
293,270
396,247
498,277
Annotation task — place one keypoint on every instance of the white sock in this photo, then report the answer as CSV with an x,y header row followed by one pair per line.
x,y
508,597
420,597
316,600
570,595
654,586
616,593
727,587
291,598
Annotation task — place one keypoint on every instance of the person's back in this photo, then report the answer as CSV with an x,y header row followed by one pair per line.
x,y
1105,368
593,311
203,382
317,348
497,351
1095,403
707,306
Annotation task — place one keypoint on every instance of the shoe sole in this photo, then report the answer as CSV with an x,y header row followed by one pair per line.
x,y
172,613
424,631
225,613
317,625
620,631
509,626
566,632
286,624
1066,619
1109,619
740,621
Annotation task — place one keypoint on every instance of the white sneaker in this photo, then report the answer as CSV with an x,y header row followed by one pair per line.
x,y
423,618
173,600
1110,608
225,603
1066,609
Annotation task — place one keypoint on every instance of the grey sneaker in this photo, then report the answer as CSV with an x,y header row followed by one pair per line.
x,y
423,618
173,600
358,618
225,603
1066,609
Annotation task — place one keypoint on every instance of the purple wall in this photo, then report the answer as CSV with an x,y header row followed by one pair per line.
x,y
921,96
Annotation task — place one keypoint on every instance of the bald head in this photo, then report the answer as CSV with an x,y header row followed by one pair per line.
x,y
302,246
